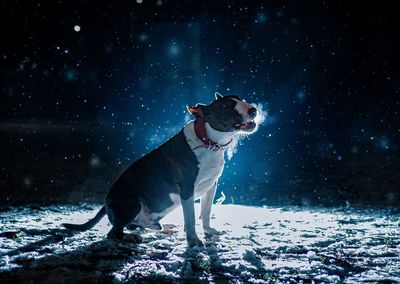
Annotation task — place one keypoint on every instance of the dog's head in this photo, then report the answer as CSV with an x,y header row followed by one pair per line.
x,y
227,114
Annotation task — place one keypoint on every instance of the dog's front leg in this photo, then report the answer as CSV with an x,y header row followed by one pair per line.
x,y
190,221
206,203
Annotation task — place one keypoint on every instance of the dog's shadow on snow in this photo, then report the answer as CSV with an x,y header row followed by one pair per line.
x,y
39,263
53,236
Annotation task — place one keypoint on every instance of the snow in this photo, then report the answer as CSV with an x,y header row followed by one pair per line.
x,y
256,244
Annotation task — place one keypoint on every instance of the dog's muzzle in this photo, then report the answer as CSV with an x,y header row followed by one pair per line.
x,y
248,123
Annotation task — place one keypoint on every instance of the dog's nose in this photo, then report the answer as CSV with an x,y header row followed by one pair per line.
x,y
252,112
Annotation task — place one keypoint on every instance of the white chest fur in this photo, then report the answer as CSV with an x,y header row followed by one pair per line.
x,y
211,163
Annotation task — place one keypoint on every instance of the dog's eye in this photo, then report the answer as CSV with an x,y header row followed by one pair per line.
x,y
224,106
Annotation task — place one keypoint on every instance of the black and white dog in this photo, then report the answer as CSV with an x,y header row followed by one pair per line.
x,y
184,168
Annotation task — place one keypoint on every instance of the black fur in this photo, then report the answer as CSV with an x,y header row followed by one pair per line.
x,y
222,115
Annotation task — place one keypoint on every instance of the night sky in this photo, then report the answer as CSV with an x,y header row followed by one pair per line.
x,y
119,76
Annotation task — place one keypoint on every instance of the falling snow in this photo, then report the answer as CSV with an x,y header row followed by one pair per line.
x,y
88,88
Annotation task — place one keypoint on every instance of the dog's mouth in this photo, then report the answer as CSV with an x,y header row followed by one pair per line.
x,y
247,126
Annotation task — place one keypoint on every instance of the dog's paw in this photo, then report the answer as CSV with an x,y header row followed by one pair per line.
x,y
194,242
211,231
132,238
132,227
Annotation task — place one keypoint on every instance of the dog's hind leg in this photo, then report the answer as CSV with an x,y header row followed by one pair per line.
x,y
121,213
117,232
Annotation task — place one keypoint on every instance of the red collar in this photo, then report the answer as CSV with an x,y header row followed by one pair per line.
x,y
201,133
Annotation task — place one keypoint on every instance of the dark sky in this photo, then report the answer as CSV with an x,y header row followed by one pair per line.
x,y
327,72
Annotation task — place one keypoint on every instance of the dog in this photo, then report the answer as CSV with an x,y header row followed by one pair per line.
x,y
184,168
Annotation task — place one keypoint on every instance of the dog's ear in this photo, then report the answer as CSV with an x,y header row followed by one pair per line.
x,y
198,111
218,96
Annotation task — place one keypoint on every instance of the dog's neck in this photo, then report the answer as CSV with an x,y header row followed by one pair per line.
x,y
218,137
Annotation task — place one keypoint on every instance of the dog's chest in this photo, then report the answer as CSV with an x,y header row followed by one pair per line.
x,y
210,163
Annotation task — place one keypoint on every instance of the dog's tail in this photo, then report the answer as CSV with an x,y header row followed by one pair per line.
x,y
88,225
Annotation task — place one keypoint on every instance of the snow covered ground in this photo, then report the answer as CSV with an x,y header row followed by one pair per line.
x,y
257,244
